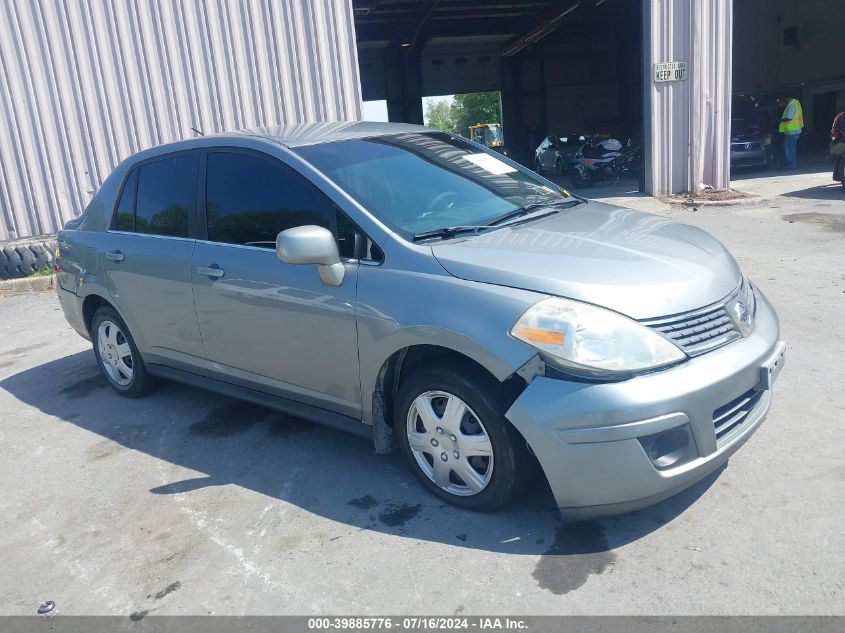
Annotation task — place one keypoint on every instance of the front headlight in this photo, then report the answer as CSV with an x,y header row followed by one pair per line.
x,y
743,308
592,340
749,296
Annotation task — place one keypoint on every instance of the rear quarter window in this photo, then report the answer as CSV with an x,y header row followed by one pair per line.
x,y
124,215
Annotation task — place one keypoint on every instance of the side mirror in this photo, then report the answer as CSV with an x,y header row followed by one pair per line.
x,y
312,245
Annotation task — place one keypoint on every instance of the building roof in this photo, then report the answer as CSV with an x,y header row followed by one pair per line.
x,y
300,134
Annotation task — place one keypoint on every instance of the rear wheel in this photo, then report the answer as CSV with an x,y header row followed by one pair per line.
x,y
117,354
580,180
456,440
538,166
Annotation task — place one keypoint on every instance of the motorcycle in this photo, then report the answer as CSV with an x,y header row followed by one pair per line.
x,y
603,159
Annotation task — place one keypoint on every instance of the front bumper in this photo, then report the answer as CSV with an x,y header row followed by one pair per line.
x,y
589,437
756,157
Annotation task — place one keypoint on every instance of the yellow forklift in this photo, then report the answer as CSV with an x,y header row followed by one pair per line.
x,y
488,134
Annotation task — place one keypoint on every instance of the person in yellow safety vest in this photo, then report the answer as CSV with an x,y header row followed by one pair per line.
x,y
791,124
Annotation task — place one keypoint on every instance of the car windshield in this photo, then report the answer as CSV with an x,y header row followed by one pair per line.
x,y
419,182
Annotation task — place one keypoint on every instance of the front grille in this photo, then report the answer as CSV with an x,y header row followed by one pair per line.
x,y
729,417
698,331
746,147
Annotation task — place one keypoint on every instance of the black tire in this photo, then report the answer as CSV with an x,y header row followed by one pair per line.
x,y
580,181
514,467
538,167
13,262
140,382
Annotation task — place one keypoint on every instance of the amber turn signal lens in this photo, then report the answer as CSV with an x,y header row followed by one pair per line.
x,y
535,335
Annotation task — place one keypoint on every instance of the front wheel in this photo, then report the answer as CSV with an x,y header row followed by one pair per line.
x,y
452,432
117,355
579,179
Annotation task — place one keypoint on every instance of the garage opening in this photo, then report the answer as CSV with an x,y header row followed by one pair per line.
x,y
567,69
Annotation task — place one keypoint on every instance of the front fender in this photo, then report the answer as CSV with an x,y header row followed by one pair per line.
x,y
399,309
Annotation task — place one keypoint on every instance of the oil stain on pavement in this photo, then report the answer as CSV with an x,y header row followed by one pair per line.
x,y
236,417
364,503
829,221
578,551
168,589
84,386
17,351
397,515
232,418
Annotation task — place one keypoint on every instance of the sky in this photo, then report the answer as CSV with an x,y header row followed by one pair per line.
x,y
377,110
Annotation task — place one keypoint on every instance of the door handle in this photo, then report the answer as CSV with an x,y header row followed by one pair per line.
x,y
115,256
211,271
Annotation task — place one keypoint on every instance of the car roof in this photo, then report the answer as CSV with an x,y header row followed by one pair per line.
x,y
300,134
294,135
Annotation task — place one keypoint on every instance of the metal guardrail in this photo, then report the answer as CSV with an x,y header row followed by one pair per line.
x,y
23,257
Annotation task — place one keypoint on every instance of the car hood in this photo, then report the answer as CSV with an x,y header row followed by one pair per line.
x,y
639,264
745,137
743,132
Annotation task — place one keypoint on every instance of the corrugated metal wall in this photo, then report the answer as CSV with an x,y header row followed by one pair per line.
x,y
689,120
711,41
86,83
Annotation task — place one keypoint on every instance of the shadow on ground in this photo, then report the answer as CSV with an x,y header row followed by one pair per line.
x,y
834,192
320,470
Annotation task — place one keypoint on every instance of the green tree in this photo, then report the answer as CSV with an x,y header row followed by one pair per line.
x,y
438,114
475,107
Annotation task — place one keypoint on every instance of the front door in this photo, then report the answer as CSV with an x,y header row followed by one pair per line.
x,y
266,324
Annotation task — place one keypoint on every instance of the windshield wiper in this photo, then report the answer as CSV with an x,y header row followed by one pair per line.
x,y
450,231
528,208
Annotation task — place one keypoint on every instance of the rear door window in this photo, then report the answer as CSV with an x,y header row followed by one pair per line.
x,y
250,199
165,196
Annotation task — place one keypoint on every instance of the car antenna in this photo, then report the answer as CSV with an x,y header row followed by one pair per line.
x,y
197,131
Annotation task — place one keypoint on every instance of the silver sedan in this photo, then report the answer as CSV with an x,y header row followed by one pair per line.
x,y
421,290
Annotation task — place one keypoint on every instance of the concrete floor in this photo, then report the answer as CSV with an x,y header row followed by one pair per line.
x,y
189,502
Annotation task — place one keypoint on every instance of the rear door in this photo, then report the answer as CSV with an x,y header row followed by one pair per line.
x,y
147,263
266,324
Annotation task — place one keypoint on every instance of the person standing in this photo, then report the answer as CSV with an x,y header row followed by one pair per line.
x,y
837,145
791,124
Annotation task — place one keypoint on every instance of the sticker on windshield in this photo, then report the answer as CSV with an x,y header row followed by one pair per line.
x,y
490,163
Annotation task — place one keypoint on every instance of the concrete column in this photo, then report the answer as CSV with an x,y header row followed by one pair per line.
x,y
523,92
687,123
512,116
403,84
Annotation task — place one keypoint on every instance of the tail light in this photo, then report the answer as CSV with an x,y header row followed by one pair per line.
x,y
57,260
